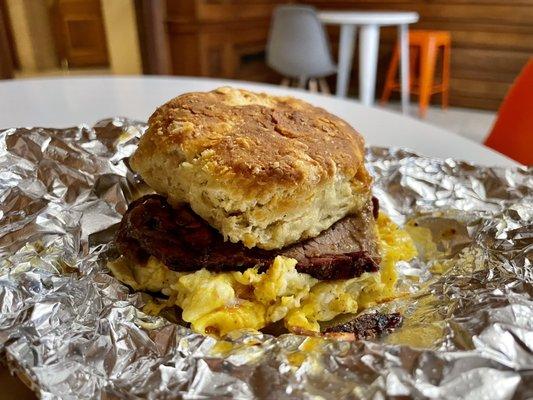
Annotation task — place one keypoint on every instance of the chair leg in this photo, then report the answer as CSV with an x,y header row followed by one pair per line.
x,y
285,82
403,34
368,61
391,76
301,82
323,85
428,54
313,85
446,75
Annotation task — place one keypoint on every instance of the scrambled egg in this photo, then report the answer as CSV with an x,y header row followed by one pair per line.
x,y
219,303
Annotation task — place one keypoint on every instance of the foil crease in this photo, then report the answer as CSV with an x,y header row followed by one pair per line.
x,y
73,331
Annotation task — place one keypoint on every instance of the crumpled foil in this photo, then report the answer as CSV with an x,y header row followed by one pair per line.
x,y
71,330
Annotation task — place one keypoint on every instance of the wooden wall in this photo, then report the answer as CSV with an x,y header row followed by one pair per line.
x,y
491,40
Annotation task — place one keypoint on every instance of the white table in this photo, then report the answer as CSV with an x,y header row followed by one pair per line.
x,y
369,23
63,102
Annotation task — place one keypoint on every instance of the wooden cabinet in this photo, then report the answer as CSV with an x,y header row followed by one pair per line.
x,y
220,38
79,32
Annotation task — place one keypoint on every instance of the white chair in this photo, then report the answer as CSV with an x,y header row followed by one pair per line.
x,y
298,48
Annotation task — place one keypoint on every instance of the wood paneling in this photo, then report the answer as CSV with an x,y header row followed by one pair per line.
x,y
6,49
11,56
491,42
220,38
153,43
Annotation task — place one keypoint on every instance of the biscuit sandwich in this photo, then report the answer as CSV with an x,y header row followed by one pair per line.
x,y
262,214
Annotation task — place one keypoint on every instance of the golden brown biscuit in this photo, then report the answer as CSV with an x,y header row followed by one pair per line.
x,y
264,170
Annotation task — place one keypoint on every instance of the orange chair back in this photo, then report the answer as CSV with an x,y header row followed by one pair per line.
x,y
512,133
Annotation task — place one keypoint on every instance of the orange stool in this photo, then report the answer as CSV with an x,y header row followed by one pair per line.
x,y
424,46
512,133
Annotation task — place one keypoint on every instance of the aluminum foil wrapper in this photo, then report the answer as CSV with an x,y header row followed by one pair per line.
x,y
71,330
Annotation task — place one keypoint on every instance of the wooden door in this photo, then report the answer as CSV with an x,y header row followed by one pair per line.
x,y
79,32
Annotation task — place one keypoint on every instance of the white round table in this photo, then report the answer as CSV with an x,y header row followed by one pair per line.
x,y
63,102
369,23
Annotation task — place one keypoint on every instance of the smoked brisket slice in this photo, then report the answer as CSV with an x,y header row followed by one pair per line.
x,y
185,242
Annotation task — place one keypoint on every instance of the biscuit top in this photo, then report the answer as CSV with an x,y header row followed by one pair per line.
x,y
257,139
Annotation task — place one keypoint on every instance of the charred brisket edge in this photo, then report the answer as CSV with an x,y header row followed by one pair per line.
x,y
375,207
368,326
225,256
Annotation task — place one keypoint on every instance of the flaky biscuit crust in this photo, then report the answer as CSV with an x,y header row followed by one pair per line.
x,y
255,157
